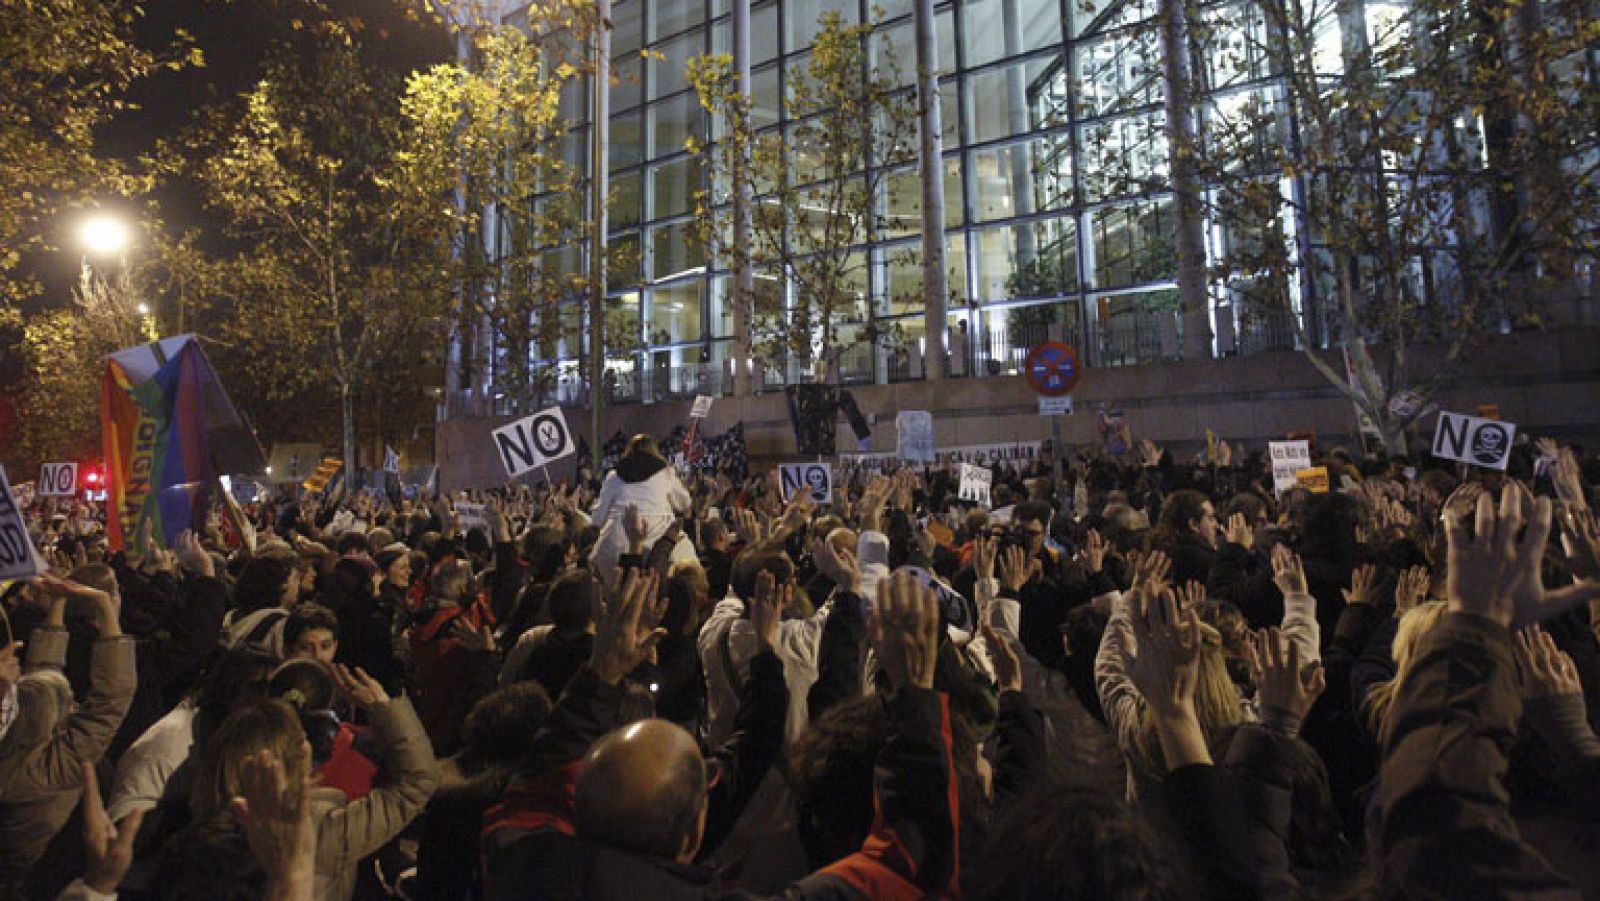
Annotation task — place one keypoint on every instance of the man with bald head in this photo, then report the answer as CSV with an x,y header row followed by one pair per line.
x,y
629,818
643,790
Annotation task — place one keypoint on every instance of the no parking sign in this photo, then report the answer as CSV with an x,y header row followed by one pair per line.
x,y
1052,369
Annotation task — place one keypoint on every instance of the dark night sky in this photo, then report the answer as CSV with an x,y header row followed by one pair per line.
x,y
236,36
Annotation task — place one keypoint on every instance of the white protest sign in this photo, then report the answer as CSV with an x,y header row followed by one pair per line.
x,y
471,516
816,478
530,443
391,460
975,483
18,557
1055,406
915,430
1288,458
58,479
1474,440
701,408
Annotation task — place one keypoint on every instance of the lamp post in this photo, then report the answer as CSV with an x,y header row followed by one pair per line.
x,y
104,236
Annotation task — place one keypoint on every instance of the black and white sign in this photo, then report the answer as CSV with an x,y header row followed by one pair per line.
x,y
18,558
701,408
915,428
1288,458
530,443
975,483
816,478
58,479
391,460
1470,439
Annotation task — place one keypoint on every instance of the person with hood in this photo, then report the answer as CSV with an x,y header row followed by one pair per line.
x,y
642,481
43,754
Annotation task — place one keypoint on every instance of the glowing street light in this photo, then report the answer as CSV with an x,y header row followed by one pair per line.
x,y
104,235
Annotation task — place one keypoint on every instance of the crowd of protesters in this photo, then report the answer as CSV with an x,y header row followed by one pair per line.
x,y
1134,677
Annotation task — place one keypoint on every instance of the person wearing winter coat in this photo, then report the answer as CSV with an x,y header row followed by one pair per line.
x,y
43,754
644,481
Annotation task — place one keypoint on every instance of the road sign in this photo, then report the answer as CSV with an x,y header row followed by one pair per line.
x,y
1052,369
1055,406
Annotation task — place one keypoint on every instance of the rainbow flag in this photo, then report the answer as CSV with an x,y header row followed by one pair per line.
x,y
167,431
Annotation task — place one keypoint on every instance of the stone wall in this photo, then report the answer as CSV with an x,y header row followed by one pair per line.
x,y
1545,382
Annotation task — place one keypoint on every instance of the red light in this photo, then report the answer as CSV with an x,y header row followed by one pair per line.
x,y
92,478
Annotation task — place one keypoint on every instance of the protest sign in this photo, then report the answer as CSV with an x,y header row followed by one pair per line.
x,y
58,479
535,441
391,460
1288,458
1012,455
915,430
816,478
975,483
701,408
1314,480
18,557
1474,440
471,516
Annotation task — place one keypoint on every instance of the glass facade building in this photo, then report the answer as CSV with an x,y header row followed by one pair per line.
x,y
1040,100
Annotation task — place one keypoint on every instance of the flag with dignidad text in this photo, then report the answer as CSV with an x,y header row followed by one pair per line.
x,y
168,429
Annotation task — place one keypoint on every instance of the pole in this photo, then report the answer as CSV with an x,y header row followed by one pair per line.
x,y
744,282
600,139
930,153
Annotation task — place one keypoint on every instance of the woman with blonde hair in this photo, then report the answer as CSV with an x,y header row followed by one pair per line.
x,y
1378,702
347,831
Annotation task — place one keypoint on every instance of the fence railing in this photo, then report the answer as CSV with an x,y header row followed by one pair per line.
x,y
1136,339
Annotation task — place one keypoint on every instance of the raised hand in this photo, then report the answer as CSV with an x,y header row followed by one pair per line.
x,y
1362,580
1191,595
984,551
1149,453
1151,570
766,609
278,824
627,635
1017,568
1281,682
107,605
1568,480
1580,538
1546,669
634,527
1411,589
1288,573
1238,532
365,691
1007,665
108,848
905,630
1164,656
193,557
839,566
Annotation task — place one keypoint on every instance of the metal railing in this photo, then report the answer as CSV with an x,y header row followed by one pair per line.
x,y
1131,339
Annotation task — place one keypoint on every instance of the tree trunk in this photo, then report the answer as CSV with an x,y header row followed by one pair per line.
x,y
347,412
1182,145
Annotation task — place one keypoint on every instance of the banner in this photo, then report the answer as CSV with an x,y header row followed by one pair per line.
x,y
1011,455
19,559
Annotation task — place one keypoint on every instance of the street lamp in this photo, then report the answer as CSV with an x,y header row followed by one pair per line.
x,y
104,235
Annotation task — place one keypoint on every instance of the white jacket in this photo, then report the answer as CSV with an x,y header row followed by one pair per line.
x,y
659,498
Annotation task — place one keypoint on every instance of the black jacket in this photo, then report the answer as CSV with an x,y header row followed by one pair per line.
x,y
531,851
